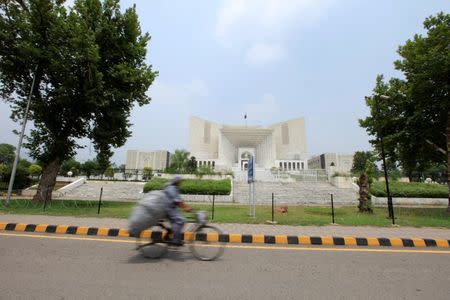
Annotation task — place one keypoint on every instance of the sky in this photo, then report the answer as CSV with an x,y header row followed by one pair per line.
x,y
272,59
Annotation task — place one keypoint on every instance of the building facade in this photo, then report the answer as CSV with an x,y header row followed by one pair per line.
x,y
157,160
332,161
229,147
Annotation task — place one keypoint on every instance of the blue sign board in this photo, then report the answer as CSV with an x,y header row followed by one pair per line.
x,y
250,170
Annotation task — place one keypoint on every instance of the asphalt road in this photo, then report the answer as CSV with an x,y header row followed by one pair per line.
x,y
63,267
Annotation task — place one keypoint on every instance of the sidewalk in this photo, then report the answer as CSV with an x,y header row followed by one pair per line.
x,y
330,230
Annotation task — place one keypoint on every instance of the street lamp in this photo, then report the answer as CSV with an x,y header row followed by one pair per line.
x,y
383,155
19,145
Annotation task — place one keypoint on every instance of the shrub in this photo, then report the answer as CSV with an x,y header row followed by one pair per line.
x,y
35,170
193,186
410,190
21,179
147,173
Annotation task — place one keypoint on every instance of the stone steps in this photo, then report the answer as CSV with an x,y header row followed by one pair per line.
x,y
294,193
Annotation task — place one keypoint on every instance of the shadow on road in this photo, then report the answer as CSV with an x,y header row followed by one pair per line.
x,y
154,255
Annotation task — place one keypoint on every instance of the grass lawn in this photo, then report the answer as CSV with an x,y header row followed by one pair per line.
x,y
296,215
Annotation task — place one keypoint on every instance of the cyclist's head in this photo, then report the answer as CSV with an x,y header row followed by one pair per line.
x,y
176,180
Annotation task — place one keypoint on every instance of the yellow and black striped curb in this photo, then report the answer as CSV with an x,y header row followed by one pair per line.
x,y
235,238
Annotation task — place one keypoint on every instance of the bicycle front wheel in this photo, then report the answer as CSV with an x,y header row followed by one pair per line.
x,y
206,244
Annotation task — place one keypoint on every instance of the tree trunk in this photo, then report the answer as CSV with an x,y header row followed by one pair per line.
x,y
364,197
448,159
47,182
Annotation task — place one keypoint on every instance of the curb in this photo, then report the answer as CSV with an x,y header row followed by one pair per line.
x,y
236,238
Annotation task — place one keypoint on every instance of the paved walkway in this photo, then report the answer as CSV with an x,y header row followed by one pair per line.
x,y
332,230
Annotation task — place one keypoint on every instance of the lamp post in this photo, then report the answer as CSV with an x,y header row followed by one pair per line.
x,y
383,156
19,145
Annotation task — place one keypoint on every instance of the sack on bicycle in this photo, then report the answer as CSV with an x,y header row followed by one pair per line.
x,y
147,212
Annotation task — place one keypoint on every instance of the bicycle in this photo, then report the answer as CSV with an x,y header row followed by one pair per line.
x,y
203,239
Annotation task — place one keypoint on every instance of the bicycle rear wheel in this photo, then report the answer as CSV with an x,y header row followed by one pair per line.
x,y
206,245
154,246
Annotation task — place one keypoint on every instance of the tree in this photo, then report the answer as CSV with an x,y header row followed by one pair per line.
x,y
402,143
179,161
421,104
7,154
90,167
191,166
364,167
109,172
103,161
89,67
35,170
70,165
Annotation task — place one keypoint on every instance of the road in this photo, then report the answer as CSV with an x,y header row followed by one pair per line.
x,y
34,266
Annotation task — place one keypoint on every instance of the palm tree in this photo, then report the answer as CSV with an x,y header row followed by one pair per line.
x,y
179,160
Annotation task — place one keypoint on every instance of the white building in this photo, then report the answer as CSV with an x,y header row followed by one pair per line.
x,y
229,147
332,161
157,160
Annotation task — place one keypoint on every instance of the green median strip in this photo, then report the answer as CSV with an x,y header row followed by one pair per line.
x,y
231,213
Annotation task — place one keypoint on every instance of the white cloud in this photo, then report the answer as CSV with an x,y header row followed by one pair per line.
x,y
264,111
261,54
249,19
262,27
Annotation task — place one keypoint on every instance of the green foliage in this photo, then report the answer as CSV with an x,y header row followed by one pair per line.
x,y
109,172
179,162
35,170
205,170
7,153
360,159
21,179
191,166
70,165
89,63
193,186
409,190
24,163
147,173
414,118
90,167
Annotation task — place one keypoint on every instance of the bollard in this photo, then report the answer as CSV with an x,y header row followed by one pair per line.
x,y
212,215
272,221
100,201
272,209
332,207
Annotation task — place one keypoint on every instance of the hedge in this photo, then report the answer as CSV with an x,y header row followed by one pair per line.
x,y
193,186
410,190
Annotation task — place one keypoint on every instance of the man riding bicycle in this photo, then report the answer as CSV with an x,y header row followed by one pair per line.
x,y
172,192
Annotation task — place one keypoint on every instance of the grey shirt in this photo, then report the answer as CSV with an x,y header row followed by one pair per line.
x,y
173,195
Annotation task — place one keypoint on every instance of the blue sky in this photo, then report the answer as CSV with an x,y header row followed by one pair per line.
x,y
274,59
